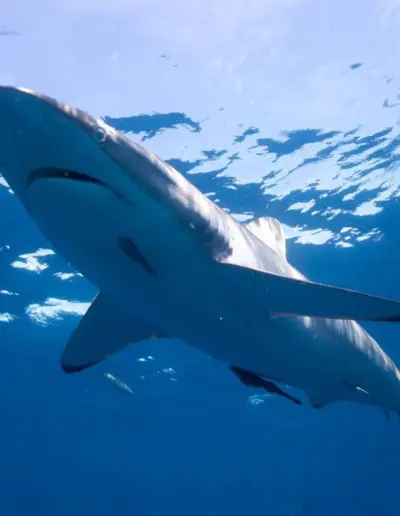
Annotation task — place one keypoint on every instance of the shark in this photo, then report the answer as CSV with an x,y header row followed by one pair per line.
x,y
167,262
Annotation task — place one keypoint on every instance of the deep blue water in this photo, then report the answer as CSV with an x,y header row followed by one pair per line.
x,y
299,123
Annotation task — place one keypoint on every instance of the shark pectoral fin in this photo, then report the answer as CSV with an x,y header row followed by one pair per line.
x,y
282,296
253,380
101,332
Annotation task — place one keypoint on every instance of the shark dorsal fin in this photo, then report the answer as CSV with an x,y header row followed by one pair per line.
x,y
269,231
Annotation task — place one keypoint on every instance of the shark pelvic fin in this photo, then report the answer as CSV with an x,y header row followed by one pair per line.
x,y
101,332
285,296
253,380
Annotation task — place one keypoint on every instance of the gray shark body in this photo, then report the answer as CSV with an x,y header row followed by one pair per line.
x,y
168,262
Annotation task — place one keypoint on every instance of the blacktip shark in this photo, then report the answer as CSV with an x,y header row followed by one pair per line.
x,y
168,262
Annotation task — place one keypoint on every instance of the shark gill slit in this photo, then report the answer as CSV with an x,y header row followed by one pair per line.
x,y
132,251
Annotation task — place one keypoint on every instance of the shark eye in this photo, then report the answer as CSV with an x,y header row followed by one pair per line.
x,y
100,135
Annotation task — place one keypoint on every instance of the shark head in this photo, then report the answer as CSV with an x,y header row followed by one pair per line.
x,y
45,141
40,135
67,167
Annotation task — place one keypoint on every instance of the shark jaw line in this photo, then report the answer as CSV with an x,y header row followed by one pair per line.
x,y
64,174
39,174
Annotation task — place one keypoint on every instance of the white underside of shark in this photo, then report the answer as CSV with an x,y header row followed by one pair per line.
x,y
170,263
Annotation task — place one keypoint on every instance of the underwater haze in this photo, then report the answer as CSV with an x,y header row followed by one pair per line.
x,y
282,108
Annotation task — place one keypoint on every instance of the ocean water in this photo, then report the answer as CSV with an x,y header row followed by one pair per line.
x,y
281,108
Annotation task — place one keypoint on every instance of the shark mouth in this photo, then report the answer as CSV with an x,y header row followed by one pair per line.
x,y
65,174
62,173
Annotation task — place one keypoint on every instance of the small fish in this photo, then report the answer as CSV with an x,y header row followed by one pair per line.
x,y
119,383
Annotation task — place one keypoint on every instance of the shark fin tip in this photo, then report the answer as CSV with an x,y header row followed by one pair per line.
x,y
70,369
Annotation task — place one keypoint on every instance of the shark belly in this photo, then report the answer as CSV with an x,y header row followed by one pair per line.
x,y
130,250
220,322
86,223
314,355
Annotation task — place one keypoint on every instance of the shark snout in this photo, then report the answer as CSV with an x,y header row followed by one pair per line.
x,y
28,128
43,138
